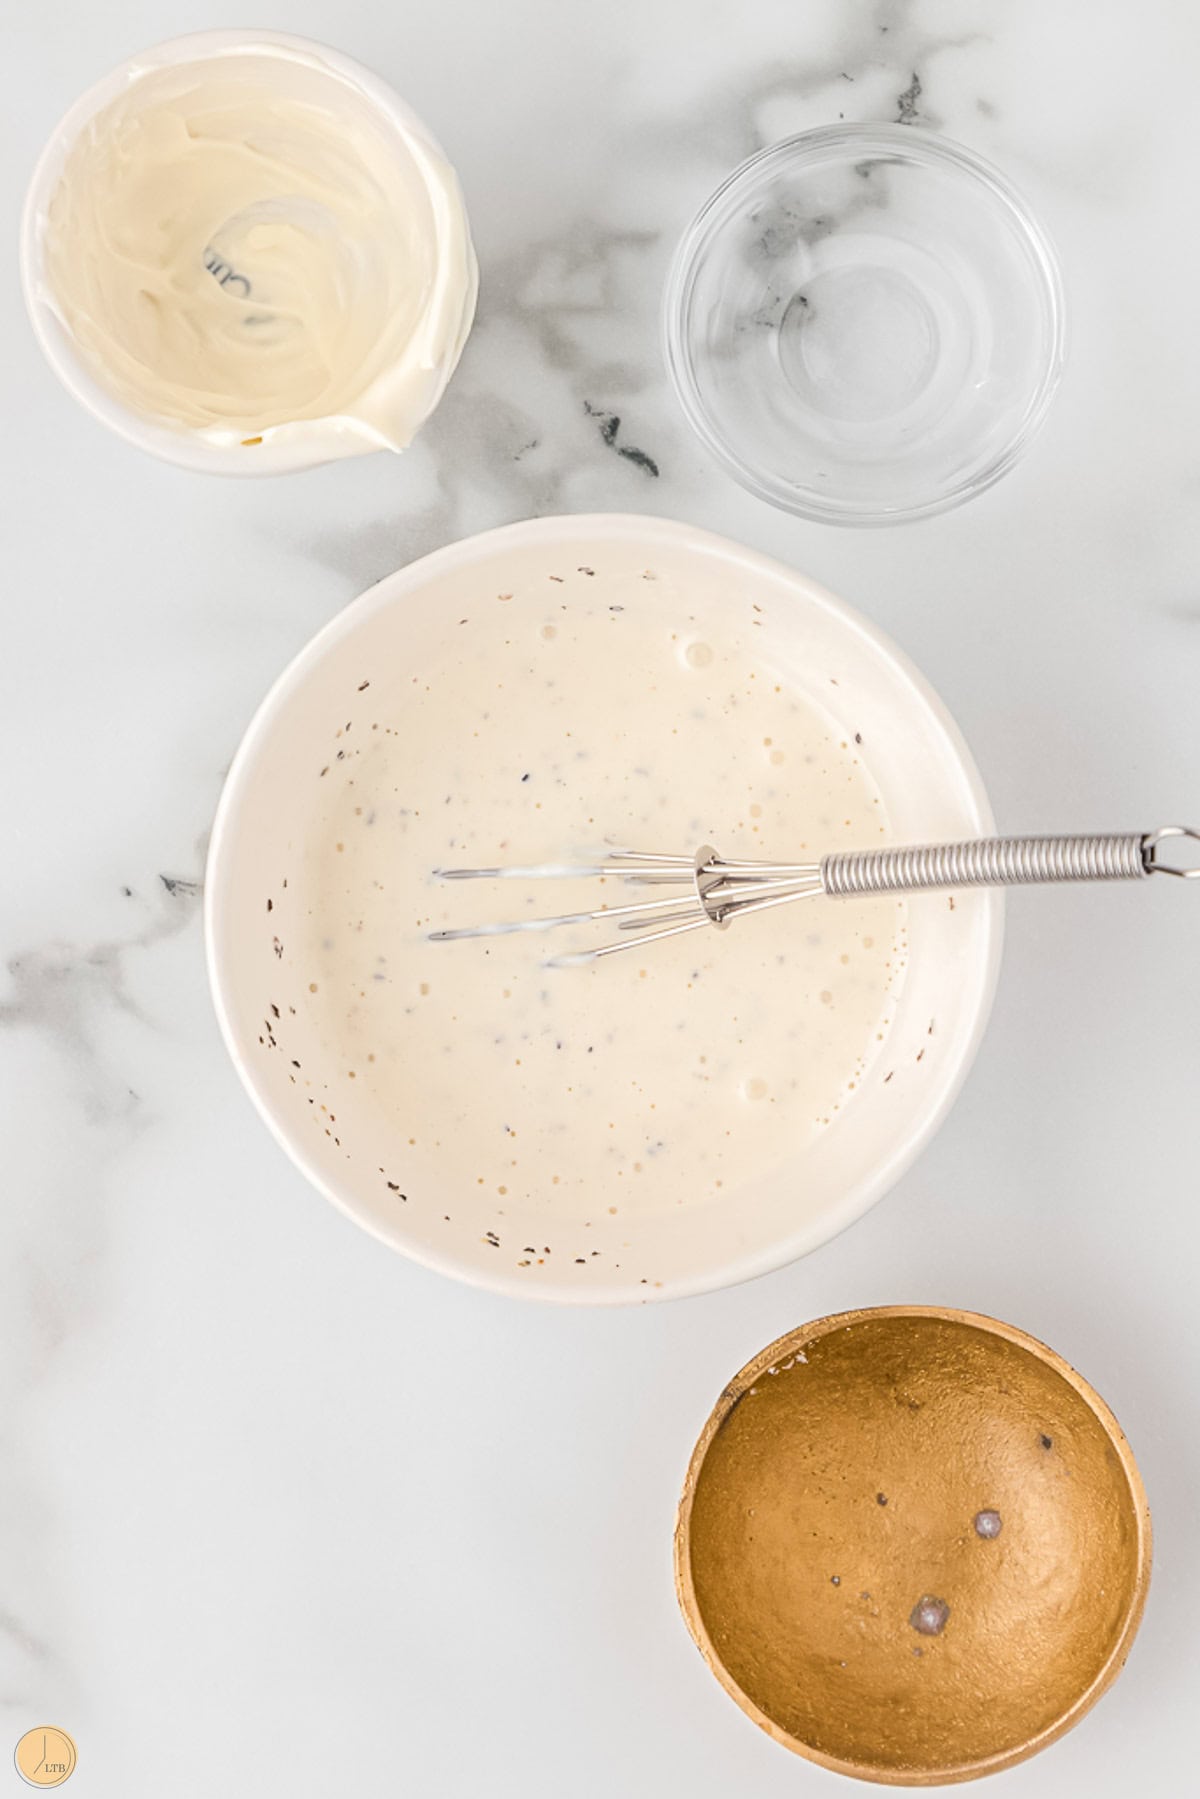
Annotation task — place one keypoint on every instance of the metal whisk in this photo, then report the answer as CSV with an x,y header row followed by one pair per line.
x,y
722,889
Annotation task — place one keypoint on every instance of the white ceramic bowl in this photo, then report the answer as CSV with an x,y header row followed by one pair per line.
x,y
272,806
451,302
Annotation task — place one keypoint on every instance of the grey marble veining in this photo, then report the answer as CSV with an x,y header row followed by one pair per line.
x,y
316,1515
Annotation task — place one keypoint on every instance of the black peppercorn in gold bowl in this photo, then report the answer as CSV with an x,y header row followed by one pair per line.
x,y
913,1544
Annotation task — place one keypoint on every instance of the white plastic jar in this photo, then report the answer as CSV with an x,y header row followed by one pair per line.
x,y
244,253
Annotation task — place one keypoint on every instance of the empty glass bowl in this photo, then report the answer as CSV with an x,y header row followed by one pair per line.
x,y
865,324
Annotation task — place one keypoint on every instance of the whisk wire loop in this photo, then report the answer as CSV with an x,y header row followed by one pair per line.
x,y
722,889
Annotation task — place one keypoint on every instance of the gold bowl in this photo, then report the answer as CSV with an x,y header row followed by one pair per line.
x,y
913,1544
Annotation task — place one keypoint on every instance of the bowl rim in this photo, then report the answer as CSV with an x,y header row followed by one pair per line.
x,y
184,448
921,145
393,588
798,1338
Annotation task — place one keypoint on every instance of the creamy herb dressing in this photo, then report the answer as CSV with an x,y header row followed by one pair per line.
x,y
568,715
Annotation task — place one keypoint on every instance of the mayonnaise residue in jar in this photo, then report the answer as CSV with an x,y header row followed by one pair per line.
x,y
248,247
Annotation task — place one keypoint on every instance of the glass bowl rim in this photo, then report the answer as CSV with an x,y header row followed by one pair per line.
x,y
924,148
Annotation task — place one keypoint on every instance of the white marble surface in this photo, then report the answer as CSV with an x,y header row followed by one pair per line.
x,y
280,1513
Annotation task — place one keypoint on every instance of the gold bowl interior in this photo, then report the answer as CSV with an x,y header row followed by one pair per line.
x,y
913,1544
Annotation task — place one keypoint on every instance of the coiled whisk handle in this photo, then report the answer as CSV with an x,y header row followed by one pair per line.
x,y
1003,862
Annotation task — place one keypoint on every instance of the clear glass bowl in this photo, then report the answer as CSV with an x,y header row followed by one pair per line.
x,y
865,324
